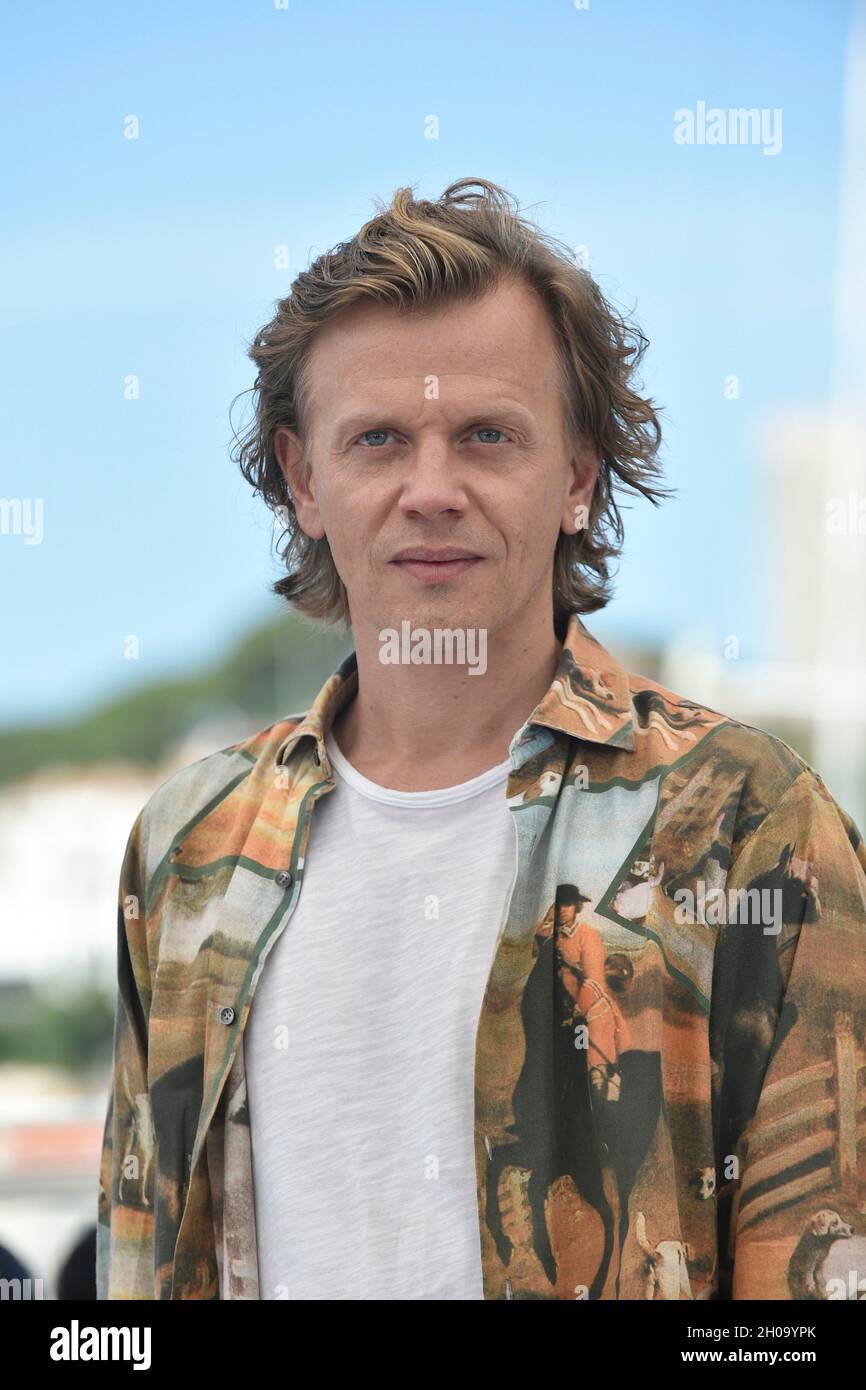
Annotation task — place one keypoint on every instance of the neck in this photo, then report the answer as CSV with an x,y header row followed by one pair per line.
x,y
421,727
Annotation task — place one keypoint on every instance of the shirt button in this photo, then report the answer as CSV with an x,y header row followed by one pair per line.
x,y
283,878
227,1015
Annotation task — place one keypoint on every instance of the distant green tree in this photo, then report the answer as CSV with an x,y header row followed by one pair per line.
x,y
73,1032
275,670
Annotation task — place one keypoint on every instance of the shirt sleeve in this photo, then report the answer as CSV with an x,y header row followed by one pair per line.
x,y
125,1216
787,1019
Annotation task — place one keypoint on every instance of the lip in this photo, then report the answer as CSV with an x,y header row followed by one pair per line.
x,y
431,553
435,567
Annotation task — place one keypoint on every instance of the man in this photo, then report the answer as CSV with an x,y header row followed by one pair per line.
x,y
347,1065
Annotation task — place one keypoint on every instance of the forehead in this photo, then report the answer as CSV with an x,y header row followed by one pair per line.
x,y
503,340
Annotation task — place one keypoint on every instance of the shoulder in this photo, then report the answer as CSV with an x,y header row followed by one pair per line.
x,y
197,788
697,732
745,777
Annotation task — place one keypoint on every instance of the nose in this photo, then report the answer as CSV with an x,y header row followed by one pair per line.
x,y
432,481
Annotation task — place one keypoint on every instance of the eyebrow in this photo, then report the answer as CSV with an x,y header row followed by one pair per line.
x,y
503,410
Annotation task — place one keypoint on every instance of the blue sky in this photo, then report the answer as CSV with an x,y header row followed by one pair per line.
x,y
261,127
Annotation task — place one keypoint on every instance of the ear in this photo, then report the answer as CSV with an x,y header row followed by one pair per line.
x,y
585,463
289,451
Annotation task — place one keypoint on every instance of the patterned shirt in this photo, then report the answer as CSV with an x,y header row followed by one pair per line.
x,y
670,1075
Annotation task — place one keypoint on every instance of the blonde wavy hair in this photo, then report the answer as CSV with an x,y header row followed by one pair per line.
x,y
418,253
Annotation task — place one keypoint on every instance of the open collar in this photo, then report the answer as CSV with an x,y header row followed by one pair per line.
x,y
590,700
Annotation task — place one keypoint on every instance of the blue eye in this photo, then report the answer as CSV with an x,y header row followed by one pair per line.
x,y
375,439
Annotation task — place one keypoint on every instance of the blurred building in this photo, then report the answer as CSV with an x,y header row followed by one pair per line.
x,y
50,1141
63,834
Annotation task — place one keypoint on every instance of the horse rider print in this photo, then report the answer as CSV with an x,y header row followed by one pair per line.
x,y
580,966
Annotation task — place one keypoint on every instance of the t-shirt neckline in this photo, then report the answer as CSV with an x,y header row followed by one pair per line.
x,y
438,796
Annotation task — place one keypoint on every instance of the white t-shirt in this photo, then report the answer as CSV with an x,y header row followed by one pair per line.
x,y
360,1043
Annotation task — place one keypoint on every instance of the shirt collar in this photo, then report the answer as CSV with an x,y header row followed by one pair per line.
x,y
589,699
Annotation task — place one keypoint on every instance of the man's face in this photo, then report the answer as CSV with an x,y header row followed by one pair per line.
x,y
440,429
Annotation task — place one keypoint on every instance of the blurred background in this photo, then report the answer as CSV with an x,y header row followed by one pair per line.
x,y
169,169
